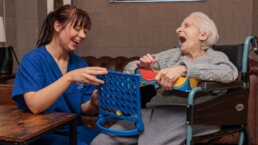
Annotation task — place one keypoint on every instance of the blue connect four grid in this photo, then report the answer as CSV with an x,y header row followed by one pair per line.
x,y
119,99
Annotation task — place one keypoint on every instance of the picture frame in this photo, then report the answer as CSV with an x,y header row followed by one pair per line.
x,y
142,1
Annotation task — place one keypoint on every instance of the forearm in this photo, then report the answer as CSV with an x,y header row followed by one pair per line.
x,y
220,73
41,100
164,57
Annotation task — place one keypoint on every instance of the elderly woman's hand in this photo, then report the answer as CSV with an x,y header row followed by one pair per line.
x,y
147,62
166,77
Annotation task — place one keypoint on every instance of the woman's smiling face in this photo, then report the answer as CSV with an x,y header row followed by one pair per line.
x,y
189,34
71,36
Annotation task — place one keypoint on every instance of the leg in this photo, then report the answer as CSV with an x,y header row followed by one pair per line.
x,y
86,134
104,139
167,126
163,125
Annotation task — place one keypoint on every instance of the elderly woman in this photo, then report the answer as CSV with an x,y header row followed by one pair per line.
x,y
166,125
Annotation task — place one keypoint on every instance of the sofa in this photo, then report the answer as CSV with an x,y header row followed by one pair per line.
x,y
118,64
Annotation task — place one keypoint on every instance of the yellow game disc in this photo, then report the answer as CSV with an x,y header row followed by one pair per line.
x,y
118,112
180,82
194,82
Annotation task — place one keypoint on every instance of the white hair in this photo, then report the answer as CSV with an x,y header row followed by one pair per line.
x,y
206,25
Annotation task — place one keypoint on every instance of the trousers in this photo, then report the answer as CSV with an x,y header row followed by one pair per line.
x,y
162,126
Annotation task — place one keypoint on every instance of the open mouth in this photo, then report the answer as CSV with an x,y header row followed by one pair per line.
x,y
76,42
182,39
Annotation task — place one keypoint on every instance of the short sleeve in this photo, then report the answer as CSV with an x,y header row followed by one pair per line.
x,y
28,78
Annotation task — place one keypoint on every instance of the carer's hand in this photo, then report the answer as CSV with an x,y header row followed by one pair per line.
x,y
166,77
147,62
94,99
91,106
87,75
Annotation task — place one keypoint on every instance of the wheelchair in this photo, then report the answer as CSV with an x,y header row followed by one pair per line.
x,y
228,110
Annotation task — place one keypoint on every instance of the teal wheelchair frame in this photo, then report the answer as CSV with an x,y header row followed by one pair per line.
x,y
229,110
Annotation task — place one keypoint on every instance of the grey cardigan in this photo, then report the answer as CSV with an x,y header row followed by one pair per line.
x,y
213,66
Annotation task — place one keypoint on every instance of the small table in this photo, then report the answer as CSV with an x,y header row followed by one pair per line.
x,y
19,127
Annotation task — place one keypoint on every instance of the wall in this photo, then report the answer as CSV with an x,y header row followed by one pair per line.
x,y
138,28
10,23
26,25
133,28
23,21
21,25
255,18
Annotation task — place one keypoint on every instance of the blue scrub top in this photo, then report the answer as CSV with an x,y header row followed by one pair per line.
x,y
38,69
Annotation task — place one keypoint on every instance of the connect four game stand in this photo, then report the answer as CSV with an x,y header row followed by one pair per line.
x,y
119,99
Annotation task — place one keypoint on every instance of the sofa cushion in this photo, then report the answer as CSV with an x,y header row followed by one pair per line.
x,y
111,63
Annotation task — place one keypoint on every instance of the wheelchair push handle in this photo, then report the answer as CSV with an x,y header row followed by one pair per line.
x,y
254,44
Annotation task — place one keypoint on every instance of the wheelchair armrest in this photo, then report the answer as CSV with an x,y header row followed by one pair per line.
x,y
208,85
